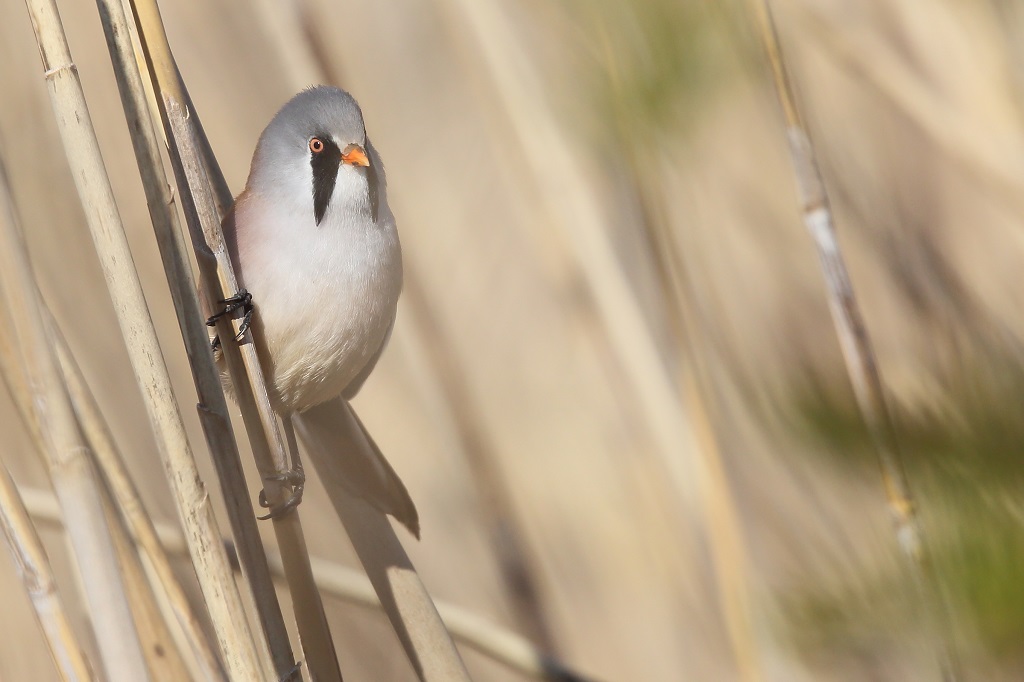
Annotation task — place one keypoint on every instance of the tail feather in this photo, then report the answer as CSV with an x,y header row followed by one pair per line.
x,y
346,457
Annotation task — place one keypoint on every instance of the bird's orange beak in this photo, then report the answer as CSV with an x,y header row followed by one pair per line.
x,y
354,155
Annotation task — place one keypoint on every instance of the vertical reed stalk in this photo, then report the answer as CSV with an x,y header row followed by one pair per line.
x,y
856,344
212,408
209,558
65,452
247,376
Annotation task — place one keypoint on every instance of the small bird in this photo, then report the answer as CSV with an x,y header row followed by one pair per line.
x,y
316,250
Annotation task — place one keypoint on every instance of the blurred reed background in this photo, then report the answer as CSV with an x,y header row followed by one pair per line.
x,y
514,133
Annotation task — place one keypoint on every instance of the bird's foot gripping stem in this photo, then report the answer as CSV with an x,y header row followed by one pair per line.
x,y
243,300
293,478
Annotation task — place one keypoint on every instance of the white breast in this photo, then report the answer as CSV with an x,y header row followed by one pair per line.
x,y
325,295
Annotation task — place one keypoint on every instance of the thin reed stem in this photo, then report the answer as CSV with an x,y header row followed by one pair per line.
x,y
212,408
722,527
62,447
112,467
861,364
163,657
218,277
209,558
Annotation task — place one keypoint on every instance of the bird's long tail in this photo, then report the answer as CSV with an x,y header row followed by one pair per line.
x,y
348,461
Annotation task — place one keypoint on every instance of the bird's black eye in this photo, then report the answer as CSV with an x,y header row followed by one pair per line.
x,y
316,145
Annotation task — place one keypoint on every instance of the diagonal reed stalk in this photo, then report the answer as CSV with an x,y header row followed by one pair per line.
x,y
110,463
209,558
138,523
219,282
163,657
858,352
33,567
65,453
158,645
722,527
27,550
212,408
475,631
406,601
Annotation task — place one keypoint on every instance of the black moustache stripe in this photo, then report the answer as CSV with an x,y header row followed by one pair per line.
x,y
325,173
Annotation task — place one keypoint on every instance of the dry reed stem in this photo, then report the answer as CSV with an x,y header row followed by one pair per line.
x,y
988,158
516,560
573,206
219,281
34,569
209,558
722,527
65,453
480,633
405,599
861,364
158,647
212,407
111,465
163,657
28,552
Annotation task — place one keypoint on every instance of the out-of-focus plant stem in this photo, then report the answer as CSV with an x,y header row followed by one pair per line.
x,y
856,344
475,631
63,449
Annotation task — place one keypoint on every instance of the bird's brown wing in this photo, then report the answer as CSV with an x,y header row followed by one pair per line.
x,y
350,463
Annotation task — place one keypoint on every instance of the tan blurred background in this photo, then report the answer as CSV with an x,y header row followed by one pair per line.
x,y
510,134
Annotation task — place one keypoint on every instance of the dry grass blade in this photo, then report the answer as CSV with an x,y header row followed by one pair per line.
x,y
212,408
71,472
219,283
856,344
209,558
482,634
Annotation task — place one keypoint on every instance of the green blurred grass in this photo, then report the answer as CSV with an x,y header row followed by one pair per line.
x,y
964,465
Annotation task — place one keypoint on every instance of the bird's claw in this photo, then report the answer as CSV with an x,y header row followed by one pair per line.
x,y
294,479
243,300
293,674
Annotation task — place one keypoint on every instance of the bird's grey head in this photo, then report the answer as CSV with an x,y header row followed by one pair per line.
x,y
314,156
